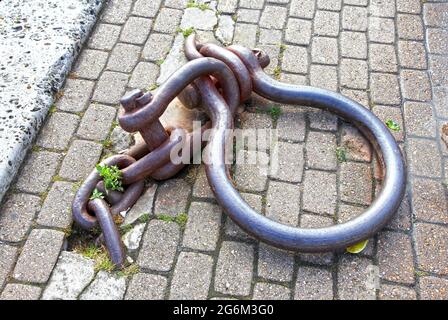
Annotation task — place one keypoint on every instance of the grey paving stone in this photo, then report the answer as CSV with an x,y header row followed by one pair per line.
x,y
116,11
425,163
225,29
394,292
379,8
38,256
356,183
439,100
354,18
355,145
419,119
110,87
320,199
410,27
438,66
295,79
431,242
123,58
298,31
132,238
251,172
56,209
275,264
348,212
167,20
385,113
409,6
231,229
105,287
382,58
326,23
90,64
429,201
356,2
96,122
415,85
8,254
295,59
147,8
434,14
384,88
273,51
146,287
291,126
359,96
437,40
302,8
248,15
234,268
227,6
76,94
80,160
287,161
157,46
202,229
353,44
310,221
144,74
324,50
395,257
172,197
136,30
192,277
16,291
412,54
402,219
143,205
381,30
313,284
104,36
323,120
353,274
269,36
71,275
333,5
159,246
283,203
325,77
57,131
35,176
201,188
252,4
256,120
269,291
199,19
245,35
353,73
432,288
16,216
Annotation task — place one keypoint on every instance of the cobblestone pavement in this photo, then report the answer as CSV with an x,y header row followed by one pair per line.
x,y
388,55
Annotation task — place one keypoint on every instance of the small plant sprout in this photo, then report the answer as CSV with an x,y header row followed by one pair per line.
x,y
277,72
96,195
186,32
144,218
275,113
341,154
201,6
392,125
111,177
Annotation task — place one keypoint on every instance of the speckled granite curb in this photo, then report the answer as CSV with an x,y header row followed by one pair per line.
x,y
39,42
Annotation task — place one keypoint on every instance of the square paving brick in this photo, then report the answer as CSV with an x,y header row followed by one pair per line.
x,y
353,44
395,257
355,145
144,74
172,197
287,161
159,245
295,59
424,158
437,40
382,58
440,100
291,126
380,8
310,221
56,209
143,206
393,292
419,119
96,123
251,171
116,11
319,192
76,95
177,4
104,36
412,54
147,8
323,120
252,4
348,212
269,291
80,160
203,225
313,284
157,46
415,85
432,288
192,276
385,88
438,66
295,79
124,57
353,275
302,8
381,30
298,31
39,255
325,77
245,35
269,36
234,231
356,183
385,113
110,88
429,202
326,23
167,20
409,6
228,6
359,96
58,130
234,268
354,18
90,64
248,15
435,15
145,286
35,175
136,30
283,203
431,242
201,188
8,254
275,264
410,27
16,291
333,5
273,51
356,2
354,73
324,50
321,151
402,219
